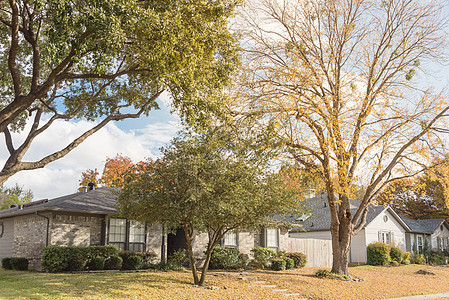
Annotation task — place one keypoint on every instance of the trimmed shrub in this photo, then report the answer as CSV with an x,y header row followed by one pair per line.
x,y
148,259
224,258
289,263
15,263
63,258
378,254
278,264
59,258
418,259
299,259
6,263
101,251
95,263
406,258
19,263
396,254
113,262
262,257
242,261
131,260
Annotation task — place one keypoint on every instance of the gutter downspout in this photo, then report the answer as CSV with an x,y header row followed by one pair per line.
x,y
48,227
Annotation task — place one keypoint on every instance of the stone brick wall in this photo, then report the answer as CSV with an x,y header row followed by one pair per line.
x,y
30,238
75,230
154,240
247,240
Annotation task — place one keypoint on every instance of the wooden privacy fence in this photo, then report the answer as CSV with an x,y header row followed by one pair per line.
x,y
318,252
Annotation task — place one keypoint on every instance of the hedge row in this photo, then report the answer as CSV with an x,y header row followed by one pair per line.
x,y
71,258
15,263
263,258
384,254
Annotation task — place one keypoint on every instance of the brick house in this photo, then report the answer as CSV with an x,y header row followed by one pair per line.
x,y
89,218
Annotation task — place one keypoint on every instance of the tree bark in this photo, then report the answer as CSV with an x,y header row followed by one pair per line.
x,y
189,237
342,231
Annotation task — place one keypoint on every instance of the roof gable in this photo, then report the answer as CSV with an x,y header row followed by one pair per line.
x,y
320,219
100,201
423,226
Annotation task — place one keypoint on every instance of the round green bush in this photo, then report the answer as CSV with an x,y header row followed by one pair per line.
x,y
113,262
419,259
224,258
19,263
299,258
278,264
289,263
95,263
378,254
132,262
262,257
406,258
6,263
396,254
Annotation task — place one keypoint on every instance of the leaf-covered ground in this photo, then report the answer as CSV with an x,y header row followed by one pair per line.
x,y
380,283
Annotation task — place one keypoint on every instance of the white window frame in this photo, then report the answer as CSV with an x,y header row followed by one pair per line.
x,y
386,237
230,239
420,246
274,232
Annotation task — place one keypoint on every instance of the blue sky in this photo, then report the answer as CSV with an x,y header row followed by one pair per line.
x,y
137,138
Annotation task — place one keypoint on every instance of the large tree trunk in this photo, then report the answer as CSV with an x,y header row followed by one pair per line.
x,y
209,251
206,265
342,231
189,237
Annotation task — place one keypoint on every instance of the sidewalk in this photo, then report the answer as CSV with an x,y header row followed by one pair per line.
x,y
419,297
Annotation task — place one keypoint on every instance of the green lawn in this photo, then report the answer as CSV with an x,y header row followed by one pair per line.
x,y
401,281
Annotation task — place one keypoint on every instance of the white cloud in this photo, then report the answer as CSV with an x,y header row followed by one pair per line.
x,y
62,176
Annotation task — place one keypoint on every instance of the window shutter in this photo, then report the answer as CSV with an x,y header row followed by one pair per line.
x,y
379,236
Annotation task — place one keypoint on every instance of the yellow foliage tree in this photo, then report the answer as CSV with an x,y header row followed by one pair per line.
x,y
340,82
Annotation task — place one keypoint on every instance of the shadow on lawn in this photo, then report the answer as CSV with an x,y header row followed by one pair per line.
x,y
14,284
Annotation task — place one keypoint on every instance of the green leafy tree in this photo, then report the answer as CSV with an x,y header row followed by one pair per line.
x,y
14,195
107,60
206,183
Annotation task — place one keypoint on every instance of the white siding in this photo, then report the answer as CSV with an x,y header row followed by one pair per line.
x,y
392,225
358,248
7,239
439,234
318,252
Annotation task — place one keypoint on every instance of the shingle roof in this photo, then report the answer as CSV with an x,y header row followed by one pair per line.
x,y
423,226
320,215
100,201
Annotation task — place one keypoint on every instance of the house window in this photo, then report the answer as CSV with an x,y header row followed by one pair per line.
x,y
127,235
272,236
230,239
117,233
386,237
420,244
2,229
136,236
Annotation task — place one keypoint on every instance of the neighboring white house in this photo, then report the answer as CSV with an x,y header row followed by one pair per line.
x,y
382,224
436,231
